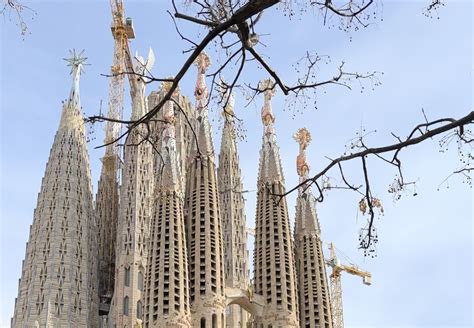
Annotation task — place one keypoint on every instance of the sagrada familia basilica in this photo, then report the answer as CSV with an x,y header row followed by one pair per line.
x,y
166,244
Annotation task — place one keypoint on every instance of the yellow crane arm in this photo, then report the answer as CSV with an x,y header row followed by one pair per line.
x,y
354,270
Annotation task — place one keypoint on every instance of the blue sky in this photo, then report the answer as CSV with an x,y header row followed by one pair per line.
x,y
422,276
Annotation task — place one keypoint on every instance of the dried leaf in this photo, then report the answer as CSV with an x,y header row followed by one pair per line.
x,y
363,206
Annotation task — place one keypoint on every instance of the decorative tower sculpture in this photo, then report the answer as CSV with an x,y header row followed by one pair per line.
x,y
232,209
203,222
314,302
134,215
58,283
167,295
274,270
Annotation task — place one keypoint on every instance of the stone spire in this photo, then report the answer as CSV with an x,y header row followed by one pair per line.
x,y
203,221
274,270
107,197
232,206
166,288
57,287
314,302
134,216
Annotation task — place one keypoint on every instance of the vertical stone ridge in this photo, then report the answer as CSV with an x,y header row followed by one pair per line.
x,y
314,302
167,294
57,287
232,206
203,221
134,218
274,267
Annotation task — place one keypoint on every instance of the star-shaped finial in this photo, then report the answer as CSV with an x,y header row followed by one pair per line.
x,y
76,60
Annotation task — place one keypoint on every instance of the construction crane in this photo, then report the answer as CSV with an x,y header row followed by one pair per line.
x,y
336,289
122,31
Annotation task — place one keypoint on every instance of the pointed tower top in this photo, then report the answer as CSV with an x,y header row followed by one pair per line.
x,y
166,86
270,163
170,174
71,117
268,88
201,93
228,132
303,137
76,62
203,128
227,101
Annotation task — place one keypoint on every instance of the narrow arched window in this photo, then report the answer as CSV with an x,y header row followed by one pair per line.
x,y
139,310
127,277
140,281
214,320
125,305
203,322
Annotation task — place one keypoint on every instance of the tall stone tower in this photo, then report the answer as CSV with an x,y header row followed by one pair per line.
x,y
274,270
167,294
314,302
203,222
107,197
134,216
58,283
232,208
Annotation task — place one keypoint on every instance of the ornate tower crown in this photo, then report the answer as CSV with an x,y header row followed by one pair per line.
x,y
303,137
168,108
268,88
202,62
